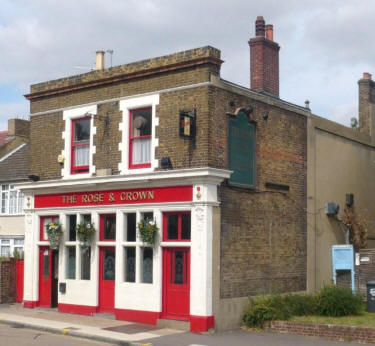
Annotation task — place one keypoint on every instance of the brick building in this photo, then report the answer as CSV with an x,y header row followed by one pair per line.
x,y
150,139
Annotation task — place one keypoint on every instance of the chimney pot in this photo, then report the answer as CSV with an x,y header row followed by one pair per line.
x,y
264,59
366,75
269,31
260,26
99,63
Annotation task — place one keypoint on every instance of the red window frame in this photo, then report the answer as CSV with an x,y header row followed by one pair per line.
x,y
102,224
78,169
179,226
131,139
54,218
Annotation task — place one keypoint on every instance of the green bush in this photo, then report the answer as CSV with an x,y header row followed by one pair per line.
x,y
330,301
266,308
301,305
334,301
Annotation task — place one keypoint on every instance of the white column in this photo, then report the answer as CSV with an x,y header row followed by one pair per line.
x,y
201,261
31,270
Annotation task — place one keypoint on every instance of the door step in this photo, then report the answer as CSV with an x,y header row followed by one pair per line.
x,y
173,324
104,315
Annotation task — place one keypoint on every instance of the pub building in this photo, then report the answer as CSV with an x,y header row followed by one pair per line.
x,y
202,160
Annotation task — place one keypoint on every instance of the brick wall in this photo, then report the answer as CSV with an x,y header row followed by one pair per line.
x,y
342,333
46,142
263,232
8,280
366,270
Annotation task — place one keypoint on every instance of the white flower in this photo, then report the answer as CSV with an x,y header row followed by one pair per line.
x,y
88,225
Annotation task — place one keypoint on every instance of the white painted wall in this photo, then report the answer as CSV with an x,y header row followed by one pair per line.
x,y
134,296
12,225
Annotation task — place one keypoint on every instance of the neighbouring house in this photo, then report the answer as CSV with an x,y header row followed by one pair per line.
x,y
14,166
221,169
341,162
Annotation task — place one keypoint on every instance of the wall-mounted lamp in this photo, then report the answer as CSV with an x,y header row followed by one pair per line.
x,y
166,163
265,116
34,177
349,199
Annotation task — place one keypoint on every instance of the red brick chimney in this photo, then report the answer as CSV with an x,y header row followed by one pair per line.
x,y
264,59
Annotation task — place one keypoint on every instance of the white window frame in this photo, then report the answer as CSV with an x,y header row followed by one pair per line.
x,y
68,116
11,245
19,195
138,245
126,106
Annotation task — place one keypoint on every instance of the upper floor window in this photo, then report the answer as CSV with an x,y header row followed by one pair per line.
x,y
140,138
11,200
139,141
80,154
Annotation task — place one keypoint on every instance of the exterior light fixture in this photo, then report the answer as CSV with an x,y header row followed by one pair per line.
x,y
166,163
34,177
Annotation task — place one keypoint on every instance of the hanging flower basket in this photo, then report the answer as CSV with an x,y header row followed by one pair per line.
x,y
54,232
85,231
148,230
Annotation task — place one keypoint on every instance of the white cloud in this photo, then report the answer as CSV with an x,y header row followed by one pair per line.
x,y
325,46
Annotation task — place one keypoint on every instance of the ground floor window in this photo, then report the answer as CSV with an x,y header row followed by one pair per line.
x,y
85,263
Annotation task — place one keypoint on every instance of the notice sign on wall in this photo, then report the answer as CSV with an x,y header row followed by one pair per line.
x,y
242,151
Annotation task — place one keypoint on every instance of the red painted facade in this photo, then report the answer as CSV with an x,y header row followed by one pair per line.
x,y
78,309
115,197
200,324
146,317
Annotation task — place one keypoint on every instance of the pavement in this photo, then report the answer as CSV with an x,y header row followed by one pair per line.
x,y
104,330
100,328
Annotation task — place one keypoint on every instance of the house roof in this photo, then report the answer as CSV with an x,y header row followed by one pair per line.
x,y
15,165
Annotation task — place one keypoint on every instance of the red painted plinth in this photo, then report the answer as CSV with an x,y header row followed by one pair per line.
x,y
200,324
146,317
77,309
29,304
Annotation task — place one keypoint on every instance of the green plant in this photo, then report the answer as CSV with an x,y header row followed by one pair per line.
x,y
18,254
85,231
147,229
266,308
301,304
335,301
54,232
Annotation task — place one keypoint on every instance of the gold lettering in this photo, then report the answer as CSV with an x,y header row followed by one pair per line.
x,y
142,195
122,196
84,198
111,197
69,199
150,194
128,196
135,196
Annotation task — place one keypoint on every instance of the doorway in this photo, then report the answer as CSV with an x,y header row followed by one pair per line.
x,y
176,283
48,277
107,256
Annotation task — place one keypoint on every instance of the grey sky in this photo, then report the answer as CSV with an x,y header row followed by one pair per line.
x,y
325,45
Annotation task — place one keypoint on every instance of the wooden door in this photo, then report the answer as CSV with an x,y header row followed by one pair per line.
x,y
107,256
176,283
45,282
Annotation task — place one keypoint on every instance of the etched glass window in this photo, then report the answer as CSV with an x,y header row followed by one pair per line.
x,y
147,265
130,264
71,262
85,263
